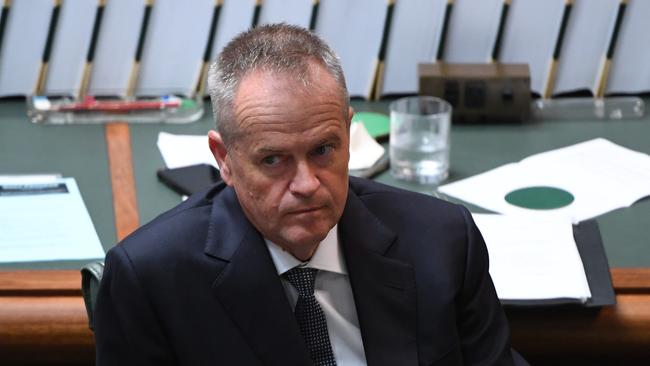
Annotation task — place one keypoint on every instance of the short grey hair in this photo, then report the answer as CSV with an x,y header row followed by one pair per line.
x,y
281,48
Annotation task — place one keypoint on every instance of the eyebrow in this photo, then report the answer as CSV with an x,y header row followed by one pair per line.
x,y
268,150
329,138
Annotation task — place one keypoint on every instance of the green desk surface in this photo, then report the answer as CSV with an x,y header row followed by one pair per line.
x,y
79,151
475,149
73,151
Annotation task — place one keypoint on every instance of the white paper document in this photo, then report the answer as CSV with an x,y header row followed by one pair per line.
x,y
364,150
45,220
600,175
183,150
533,258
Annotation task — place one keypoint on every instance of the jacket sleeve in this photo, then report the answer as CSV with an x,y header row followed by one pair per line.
x,y
127,330
483,327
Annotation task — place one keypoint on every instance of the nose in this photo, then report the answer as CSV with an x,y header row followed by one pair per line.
x,y
305,182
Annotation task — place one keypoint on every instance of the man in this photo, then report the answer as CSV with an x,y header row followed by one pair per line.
x,y
227,277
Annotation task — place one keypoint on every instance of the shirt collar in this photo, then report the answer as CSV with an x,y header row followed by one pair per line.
x,y
327,256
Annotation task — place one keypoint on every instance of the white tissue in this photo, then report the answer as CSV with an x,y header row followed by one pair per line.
x,y
364,150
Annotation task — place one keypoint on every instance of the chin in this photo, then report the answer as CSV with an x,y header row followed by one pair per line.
x,y
304,237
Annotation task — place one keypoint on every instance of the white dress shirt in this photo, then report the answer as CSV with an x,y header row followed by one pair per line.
x,y
333,292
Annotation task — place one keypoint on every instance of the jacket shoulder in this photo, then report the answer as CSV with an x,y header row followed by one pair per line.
x,y
175,233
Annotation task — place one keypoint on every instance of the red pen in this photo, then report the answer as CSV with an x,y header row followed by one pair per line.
x,y
90,104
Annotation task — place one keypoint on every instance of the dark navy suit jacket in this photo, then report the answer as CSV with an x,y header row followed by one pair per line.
x,y
197,286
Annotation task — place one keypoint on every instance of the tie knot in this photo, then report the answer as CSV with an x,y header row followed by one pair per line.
x,y
302,278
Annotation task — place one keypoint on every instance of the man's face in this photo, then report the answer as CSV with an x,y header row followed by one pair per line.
x,y
289,165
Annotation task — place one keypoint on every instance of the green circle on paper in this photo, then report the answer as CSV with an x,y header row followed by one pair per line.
x,y
540,198
377,124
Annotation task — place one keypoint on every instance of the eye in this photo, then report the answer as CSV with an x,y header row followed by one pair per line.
x,y
271,160
323,150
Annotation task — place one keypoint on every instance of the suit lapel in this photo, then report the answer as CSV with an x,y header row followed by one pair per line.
x,y
383,287
249,288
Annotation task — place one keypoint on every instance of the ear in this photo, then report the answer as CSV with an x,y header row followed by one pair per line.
x,y
220,153
349,122
350,115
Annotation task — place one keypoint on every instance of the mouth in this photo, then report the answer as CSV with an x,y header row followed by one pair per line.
x,y
305,210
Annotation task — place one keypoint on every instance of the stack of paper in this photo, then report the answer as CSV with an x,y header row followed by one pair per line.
x,y
44,218
532,258
600,175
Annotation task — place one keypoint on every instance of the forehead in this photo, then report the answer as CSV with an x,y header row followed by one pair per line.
x,y
273,102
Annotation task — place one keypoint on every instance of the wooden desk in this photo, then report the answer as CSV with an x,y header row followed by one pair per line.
x,y
43,319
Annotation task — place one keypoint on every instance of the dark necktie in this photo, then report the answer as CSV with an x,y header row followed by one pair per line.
x,y
310,316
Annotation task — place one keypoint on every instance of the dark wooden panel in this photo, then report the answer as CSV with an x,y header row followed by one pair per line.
x,y
614,331
44,330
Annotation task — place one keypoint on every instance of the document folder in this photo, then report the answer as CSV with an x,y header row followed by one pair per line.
x,y
592,253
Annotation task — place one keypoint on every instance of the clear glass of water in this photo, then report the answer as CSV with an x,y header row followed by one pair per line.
x,y
419,139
